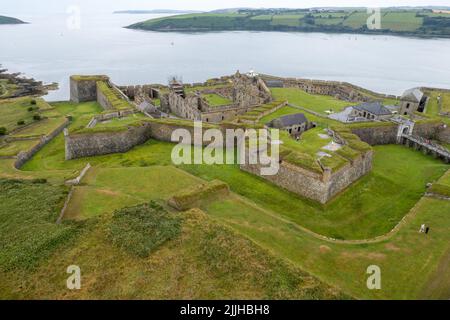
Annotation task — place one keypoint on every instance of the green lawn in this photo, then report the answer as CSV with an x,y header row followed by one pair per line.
x,y
317,103
107,189
15,110
287,20
42,127
215,100
356,20
15,147
401,21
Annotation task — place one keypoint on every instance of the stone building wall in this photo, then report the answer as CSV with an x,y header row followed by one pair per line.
x,y
377,135
186,108
84,88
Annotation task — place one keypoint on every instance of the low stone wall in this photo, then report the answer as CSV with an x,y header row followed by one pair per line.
x,y
101,143
315,186
23,157
380,135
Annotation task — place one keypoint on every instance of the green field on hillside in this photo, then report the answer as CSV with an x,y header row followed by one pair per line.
x,y
14,110
419,22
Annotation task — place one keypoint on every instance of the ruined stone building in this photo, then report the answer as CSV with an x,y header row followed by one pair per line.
x,y
242,92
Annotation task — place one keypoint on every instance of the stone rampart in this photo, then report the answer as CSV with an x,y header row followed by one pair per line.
x,y
24,156
84,88
100,143
321,187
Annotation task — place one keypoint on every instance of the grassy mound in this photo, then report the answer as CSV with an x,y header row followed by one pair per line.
x,y
143,228
194,196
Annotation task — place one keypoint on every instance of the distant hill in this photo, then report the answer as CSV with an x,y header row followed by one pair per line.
x,y
422,22
9,20
156,11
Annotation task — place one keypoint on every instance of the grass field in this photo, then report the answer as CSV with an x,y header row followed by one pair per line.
x,y
287,20
315,103
14,110
14,148
42,127
107,189
214,100
401,21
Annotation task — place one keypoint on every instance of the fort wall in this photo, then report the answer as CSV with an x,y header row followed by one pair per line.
x,y
100,143
79,145
24,156
319,187
84,88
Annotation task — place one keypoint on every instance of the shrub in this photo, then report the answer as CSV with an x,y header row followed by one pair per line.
x,y
30,109
33,102
3,131
37,117
20,123
141,229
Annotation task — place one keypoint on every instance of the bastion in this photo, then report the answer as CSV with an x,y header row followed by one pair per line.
x,y
84,88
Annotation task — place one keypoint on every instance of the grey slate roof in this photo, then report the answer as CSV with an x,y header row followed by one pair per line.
x,y
274,83
413,95
375,108
290,120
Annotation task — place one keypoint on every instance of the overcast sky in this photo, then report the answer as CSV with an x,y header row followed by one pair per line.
x,y
51,6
